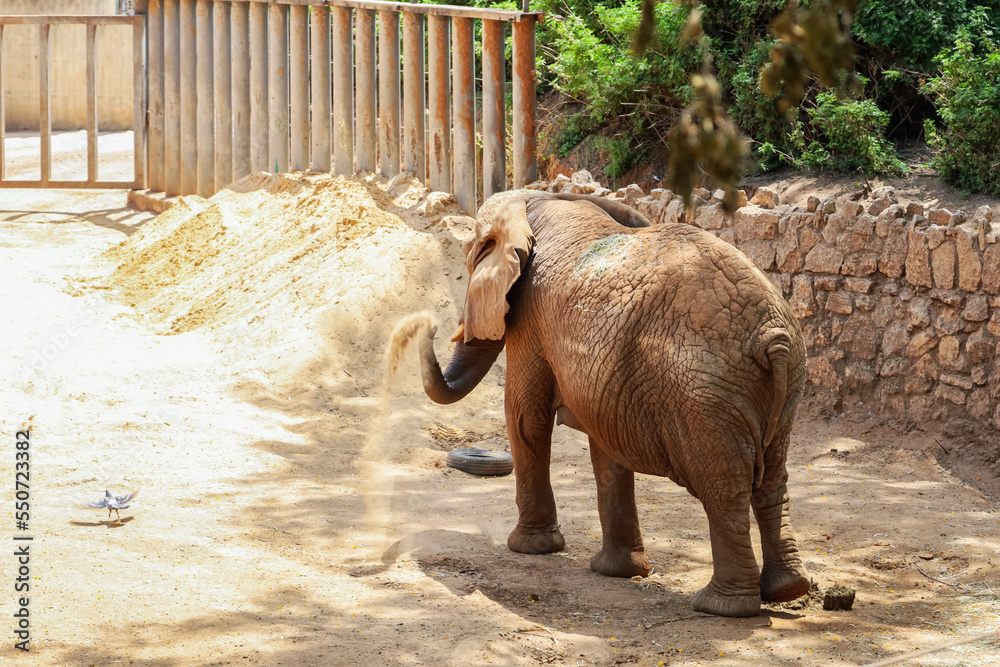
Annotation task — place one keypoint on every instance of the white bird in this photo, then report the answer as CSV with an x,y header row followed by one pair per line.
x,y
113,502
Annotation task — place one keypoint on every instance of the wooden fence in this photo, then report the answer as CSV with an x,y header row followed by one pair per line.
x,y
138,64
237,86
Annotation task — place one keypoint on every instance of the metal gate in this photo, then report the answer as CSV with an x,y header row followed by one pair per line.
x,y
93,25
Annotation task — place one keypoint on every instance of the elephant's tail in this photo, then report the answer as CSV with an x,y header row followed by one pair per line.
x,y
776,346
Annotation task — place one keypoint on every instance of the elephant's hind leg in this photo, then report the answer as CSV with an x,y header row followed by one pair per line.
x,y
723,485
622,553
529,411
783,577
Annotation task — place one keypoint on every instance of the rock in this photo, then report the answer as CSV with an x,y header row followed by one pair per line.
x,y
711,217
859,337
939,216
562,181
812,203
945,392
822,373
765,197
692,208
839,302
672,213
943,265
859,375
918,261
537,185
584,177
948,297
834,228
920,344
859,285
828,206
838,598
851,209
982,214
879,205
948,321
633,193
866,302
960,381
649,206
760,253
914,208
980,347
788,256
824,258
886,191
936,235
919,313
860,264
895,338
976,308
827,283
894,251
602,192
970,268
978,405
753,223
801,300
894,367
741,198
950,354
991,269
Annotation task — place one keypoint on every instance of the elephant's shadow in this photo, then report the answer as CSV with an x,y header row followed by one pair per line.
x,y
542,587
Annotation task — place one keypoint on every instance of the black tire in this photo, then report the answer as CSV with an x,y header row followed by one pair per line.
x,y
482,462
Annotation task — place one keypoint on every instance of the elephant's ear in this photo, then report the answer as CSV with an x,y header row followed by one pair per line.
x,y
495,254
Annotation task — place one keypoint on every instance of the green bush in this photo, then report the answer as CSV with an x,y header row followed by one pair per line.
x,y
967,94
853,133
620,155
590,59
909,34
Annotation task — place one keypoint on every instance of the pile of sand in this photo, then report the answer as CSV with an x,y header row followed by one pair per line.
x,y
297,276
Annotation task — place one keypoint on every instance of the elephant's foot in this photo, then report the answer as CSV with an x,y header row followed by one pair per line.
x,y
527,541
620,562
712,600
783,583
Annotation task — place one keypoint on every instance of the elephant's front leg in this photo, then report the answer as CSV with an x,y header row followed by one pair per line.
x,y
621,553
528,407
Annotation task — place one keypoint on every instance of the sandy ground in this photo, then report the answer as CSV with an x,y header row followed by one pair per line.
x,y
227,360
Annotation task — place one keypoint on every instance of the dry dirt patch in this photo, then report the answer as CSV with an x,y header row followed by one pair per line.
x,y
227,359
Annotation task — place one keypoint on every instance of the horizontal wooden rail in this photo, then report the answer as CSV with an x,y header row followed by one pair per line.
x,y
72,19
408,7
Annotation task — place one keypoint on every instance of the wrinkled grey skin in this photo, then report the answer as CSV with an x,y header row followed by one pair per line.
x,y
677,357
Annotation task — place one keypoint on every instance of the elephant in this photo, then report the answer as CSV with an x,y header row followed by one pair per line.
x,y
667,347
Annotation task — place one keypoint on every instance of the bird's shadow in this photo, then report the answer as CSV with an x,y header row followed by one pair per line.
x,y
116,523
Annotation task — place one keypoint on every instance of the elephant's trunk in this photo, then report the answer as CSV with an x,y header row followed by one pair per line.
x,y
468,366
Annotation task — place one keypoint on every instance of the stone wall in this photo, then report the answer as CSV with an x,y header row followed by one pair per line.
x,y
900,306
